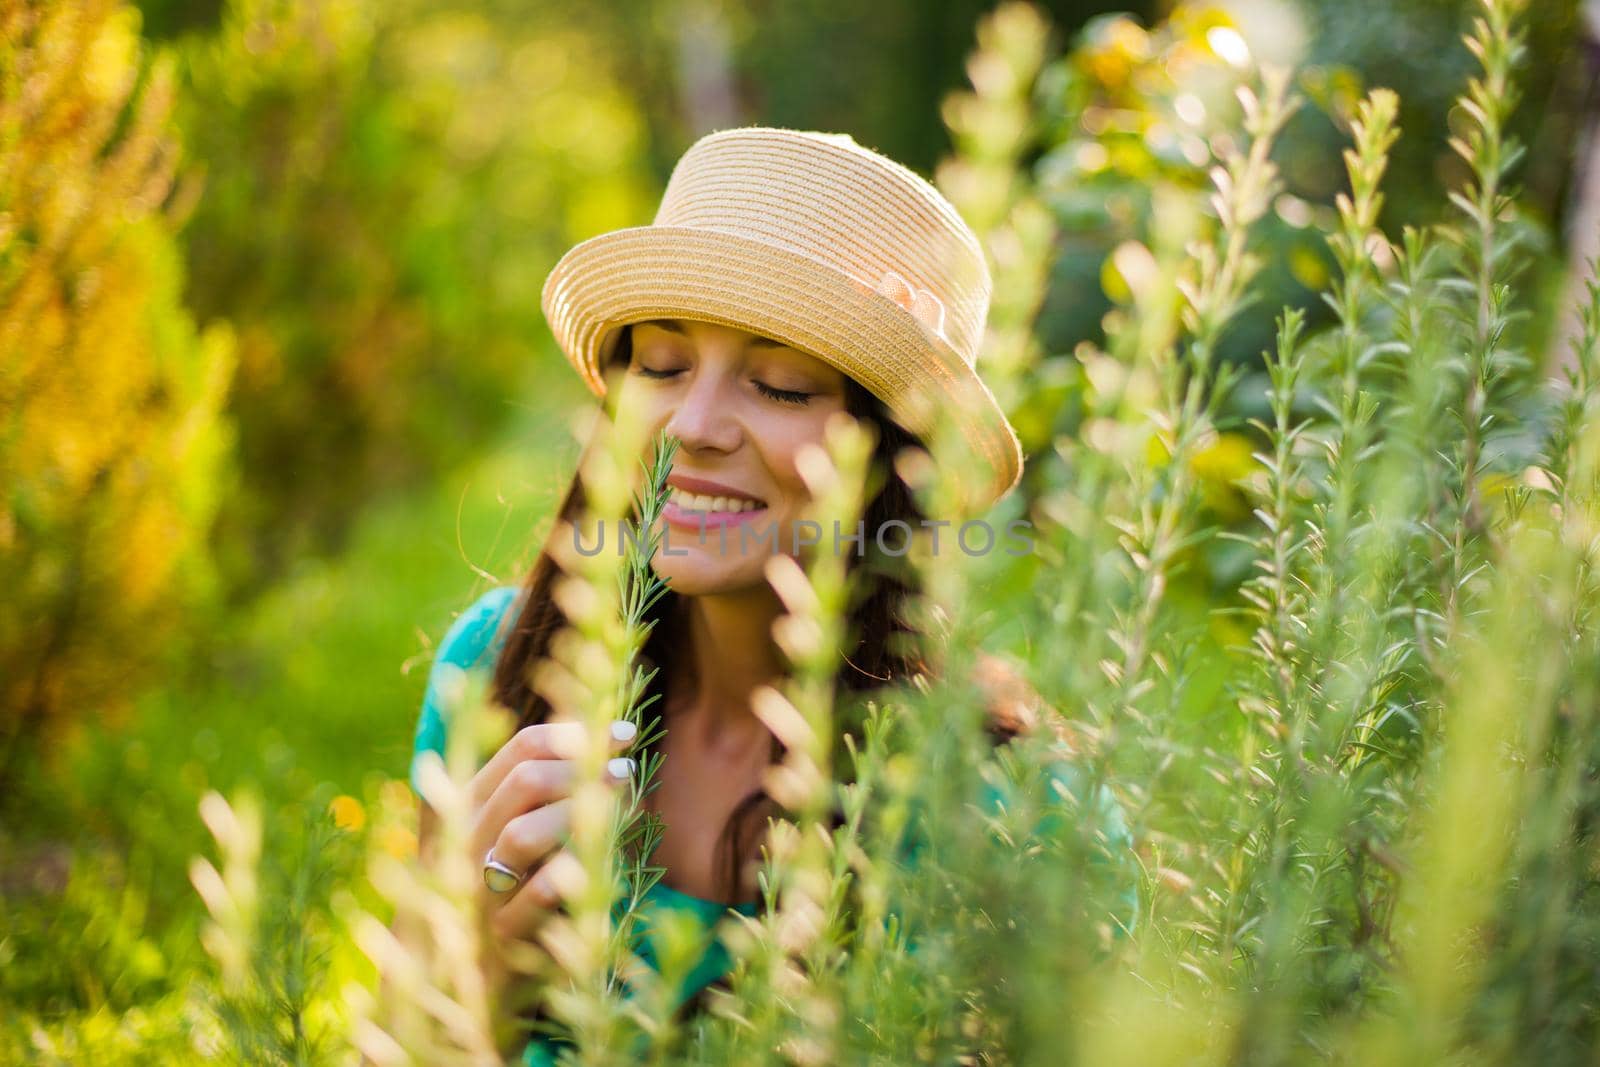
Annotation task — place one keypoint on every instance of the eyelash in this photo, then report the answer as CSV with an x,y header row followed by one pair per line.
x,y
785,396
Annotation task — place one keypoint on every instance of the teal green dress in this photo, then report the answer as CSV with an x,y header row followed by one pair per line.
x,y
472,643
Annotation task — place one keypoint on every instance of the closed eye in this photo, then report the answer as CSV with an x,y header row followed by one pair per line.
x,y
783,396
787,396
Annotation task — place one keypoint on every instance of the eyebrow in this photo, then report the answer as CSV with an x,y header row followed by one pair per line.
x,y
676,326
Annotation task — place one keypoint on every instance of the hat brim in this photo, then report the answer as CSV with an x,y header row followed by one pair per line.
x,y
646,272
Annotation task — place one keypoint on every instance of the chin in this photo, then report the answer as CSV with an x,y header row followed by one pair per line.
x,y
703,571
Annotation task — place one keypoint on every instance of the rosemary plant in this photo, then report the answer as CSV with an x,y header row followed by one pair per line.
x,y
594,678
798,945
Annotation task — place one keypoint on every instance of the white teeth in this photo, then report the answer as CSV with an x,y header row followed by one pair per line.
x,y
698,502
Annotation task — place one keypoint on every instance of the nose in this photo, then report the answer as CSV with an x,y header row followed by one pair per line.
x,y
704,419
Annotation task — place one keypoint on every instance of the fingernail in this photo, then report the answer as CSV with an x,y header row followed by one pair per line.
x,y
623,730
621,767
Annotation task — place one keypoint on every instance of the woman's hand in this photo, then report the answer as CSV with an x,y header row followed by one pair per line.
x,y
521,809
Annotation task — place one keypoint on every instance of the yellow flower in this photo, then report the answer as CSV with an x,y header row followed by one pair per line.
x,y
348,814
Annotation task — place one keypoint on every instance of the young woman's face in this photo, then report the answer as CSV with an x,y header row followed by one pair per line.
x,y
742,406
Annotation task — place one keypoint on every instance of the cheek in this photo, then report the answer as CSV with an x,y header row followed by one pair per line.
x,y
781,444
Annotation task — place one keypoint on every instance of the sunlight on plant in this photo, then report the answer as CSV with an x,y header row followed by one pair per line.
x,y
1279,744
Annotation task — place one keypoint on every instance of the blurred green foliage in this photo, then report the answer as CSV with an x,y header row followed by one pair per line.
x,y
870,70
1131,118
380,190
1130,112
1413,49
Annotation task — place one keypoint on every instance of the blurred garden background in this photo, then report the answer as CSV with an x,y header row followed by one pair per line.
x,y
277,399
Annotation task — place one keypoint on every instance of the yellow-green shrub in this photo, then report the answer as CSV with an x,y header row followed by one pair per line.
x,y
110,437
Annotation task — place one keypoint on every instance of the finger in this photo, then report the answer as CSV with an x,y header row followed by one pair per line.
x,y
531,786
533,901
531,836
545,884
541,741
528,839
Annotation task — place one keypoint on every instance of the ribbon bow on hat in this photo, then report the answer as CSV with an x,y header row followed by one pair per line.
x,y
928,308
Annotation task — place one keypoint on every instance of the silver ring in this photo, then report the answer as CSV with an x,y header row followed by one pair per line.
x,y
497,876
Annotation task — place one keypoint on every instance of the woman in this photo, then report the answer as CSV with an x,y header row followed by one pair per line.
x,y
787,276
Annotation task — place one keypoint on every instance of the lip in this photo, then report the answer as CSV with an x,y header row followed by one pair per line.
x,y
700,521
706,487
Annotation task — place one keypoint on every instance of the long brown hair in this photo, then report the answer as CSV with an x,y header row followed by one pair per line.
x,y
883,647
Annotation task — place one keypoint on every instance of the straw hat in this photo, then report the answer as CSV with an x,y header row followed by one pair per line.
x,y
816,241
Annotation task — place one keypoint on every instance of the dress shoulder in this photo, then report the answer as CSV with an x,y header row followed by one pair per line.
x,y
475,629
467,645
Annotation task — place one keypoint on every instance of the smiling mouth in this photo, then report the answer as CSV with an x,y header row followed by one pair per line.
x,y
711,505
